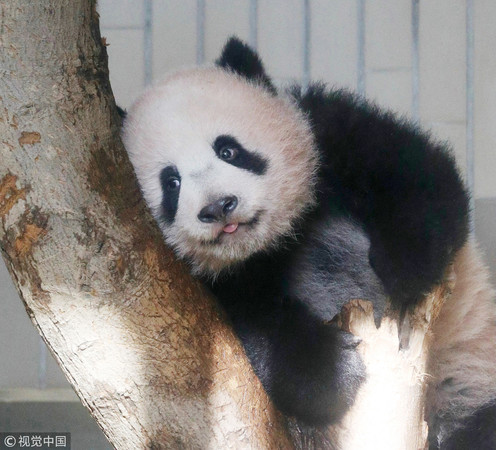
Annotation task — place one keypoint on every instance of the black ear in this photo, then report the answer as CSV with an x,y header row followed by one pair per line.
x,y
240,58
122,112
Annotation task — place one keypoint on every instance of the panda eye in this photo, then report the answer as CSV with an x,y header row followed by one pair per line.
x,y
173,183
229,150
228,153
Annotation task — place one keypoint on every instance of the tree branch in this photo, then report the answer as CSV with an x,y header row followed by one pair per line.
x,y
389,409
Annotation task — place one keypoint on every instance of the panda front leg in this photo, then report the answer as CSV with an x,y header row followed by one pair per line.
x,y
311,370
397,181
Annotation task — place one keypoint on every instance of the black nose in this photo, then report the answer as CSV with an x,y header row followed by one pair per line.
x,y
219,209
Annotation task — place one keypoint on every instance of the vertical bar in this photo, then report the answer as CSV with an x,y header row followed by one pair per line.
x,y
200,31
42,364
470,175
306,43
361,47
254,24
148,40
415,60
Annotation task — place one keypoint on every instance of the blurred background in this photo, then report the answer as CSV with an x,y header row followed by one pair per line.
x,y
432,61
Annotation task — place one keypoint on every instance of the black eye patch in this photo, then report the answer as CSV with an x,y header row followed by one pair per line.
x,y
228,149
170,180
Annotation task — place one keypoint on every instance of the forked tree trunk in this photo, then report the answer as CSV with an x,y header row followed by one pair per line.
x,y
143,345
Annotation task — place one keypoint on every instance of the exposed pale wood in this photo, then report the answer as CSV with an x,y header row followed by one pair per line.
x,y
389,409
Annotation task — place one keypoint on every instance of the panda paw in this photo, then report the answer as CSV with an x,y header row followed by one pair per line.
x,y
407,278
320,382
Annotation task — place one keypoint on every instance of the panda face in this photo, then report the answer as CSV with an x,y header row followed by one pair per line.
x,y
225,166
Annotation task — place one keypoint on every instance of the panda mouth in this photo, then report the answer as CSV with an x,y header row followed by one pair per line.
x,y
231,228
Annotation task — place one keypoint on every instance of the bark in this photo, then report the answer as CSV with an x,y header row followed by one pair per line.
x,y
143,345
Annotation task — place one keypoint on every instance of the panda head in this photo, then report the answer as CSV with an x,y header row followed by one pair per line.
x,y
226,166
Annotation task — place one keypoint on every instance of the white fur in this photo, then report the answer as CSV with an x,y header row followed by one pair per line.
x,y
463,347
176,123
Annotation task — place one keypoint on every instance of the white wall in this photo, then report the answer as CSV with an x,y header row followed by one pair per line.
x,y
430,82
408,55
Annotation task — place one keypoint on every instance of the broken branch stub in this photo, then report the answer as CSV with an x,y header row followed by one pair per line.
x,y
389,408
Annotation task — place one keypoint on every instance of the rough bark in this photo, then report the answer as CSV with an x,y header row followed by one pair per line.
x,y
144,346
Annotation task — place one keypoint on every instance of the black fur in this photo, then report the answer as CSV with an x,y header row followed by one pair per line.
x,y
170,197
395,180
386,190
377,171
311,369
477,433
244,159
240,58
122,112
331,266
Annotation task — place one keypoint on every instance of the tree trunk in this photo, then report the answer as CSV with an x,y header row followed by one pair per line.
x,y
142,343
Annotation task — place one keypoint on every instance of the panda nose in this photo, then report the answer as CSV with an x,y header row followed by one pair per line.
x,y
218,210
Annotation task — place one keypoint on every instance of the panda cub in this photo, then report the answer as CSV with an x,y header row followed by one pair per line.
x,y
288,205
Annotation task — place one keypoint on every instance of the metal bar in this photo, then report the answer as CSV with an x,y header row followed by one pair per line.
x,y
254,24
200,31
124,27
306,42
361,78
470,174
33,395
42,364
415,60
148,41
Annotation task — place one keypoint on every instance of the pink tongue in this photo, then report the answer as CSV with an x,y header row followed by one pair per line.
x,y
230,227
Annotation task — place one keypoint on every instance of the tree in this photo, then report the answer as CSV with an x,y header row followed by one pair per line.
x,y
144,346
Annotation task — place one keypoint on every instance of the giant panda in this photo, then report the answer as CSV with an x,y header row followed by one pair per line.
x,y
287,204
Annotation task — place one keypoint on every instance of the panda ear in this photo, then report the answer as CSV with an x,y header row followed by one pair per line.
x,y
241,59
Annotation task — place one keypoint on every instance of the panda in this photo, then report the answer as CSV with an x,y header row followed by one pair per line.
x,y
287,204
